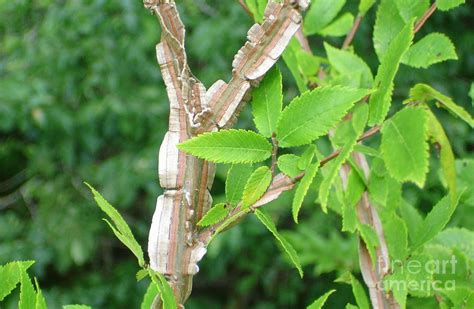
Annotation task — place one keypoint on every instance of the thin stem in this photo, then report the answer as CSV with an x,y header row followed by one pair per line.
x,y
425,17
350,36
246,8
274,153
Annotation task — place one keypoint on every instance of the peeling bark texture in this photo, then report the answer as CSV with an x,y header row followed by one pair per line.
x,y
175,246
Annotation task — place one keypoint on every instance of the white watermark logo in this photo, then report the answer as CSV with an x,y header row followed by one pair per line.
x,y
422,275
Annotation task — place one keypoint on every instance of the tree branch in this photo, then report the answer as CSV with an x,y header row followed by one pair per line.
x,y
425,17
350,36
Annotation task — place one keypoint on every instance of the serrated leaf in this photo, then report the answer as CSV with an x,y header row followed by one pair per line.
x,y
319,303
320,14
457,238
164,289
471,93
141,274
412,219
357,290
256,186
312,114
409,9
287,247
291,58
237,177
352,194
369,151
448,164
368,234
404,145
288,164
358,122
388,25
446,5
119,226
425,93
229,146
10,275
396,236
346,62
433,48
381,99
365,5
214,215
257,8
267,102
40,300
302,189
339,27
307,157
149,297
436,220
27,292
359,294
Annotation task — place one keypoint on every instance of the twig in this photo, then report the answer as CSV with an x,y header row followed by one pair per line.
x,y
350,36
246,8
425,17
274,153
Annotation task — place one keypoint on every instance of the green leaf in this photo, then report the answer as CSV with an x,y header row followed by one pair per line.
x,y
425,93
446,5
119,226
357,290
457,238
291,56
320,14
27,292
307,157
214,215
267,102
358,122
288,165
312,114
319,303
388,25
409,9
404,145
10,275
164,289
448,164
381,99
235,182
257,8
368,234
354,190
436,220
346,62
433,48
78,307
287,247
149,297
229,146
40,300
365,5
302,189
412,219
339,27
142,273
359,294
256,186
369,151
396,235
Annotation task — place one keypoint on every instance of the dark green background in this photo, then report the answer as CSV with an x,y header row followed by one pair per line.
x,y
82,99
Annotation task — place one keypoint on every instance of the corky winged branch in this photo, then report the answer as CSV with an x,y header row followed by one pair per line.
x,y
175,246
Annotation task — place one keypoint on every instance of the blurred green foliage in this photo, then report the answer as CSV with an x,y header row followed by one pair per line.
x,y
81,98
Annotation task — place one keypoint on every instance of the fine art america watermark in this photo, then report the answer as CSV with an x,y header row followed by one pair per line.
x,y
423,275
